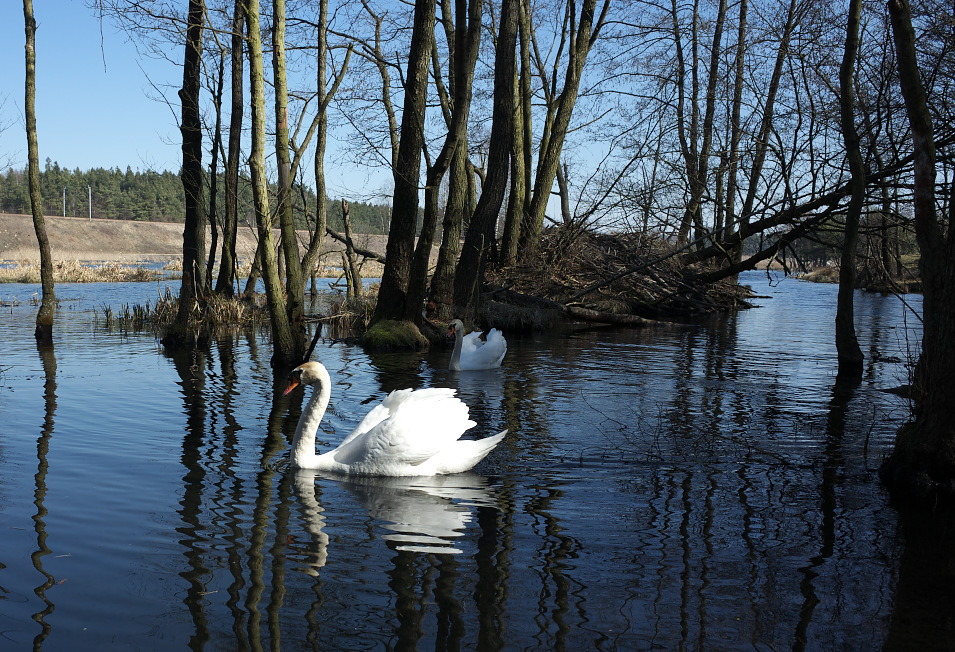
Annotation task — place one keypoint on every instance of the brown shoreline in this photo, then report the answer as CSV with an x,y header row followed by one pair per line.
x,y
123,241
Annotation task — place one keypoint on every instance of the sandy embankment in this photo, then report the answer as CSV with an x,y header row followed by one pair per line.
x,y
122,241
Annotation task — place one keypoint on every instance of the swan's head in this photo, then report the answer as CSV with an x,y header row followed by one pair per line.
x,y
455,327
308,373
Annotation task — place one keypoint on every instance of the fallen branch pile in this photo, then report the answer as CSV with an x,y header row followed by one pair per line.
x,y
612,278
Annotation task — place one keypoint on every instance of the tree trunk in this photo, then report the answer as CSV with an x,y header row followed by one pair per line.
x,y
294,281
847,345
44,318
214,176
465,39
582,41
393,292
353,274
510,239
766,125
442,282
319,130
284,350
518,203
255,271
230,223
922,465
194,231
467,278
564,193
321,142
736,134
695,145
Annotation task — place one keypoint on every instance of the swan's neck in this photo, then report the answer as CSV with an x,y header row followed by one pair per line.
x,y
456,354
303,445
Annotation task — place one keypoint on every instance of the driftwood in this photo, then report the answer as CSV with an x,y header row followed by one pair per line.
x,y
367,253
575,312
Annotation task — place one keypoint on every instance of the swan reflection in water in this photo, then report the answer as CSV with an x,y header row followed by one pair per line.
x,y
418,514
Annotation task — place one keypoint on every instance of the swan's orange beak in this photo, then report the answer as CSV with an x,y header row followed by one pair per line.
x,y
292,384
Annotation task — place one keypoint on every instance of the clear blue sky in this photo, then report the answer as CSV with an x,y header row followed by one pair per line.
x,y
96,107
93,101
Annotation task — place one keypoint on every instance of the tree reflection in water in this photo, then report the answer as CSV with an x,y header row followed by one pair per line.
x,y
48,359
690,485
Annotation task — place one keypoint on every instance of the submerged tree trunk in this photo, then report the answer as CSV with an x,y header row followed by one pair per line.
x,y
294,283
194,231
393,292
44,318
847,345
922,465
284,349
467,278
230,223
465,39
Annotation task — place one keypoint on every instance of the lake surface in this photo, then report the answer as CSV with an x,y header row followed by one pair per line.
x,y
693,486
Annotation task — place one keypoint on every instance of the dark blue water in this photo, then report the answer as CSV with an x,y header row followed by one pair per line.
x,y
679,486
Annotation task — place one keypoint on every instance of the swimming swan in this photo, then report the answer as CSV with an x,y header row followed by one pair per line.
x,y
471,352
410,433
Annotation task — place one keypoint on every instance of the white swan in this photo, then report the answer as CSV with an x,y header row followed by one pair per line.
x,y
471,352
411,433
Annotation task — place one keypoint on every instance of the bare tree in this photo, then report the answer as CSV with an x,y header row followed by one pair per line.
x,y
45,316
581,33
468,276
230,223
847,345
393,292
193,237
285,353
463,33
518,201
295,282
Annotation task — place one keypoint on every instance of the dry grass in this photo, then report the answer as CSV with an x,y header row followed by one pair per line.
x,y
72,271
822,275
218,315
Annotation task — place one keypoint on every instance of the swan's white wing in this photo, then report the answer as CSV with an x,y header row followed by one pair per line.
x,y
480,354
379,413
471,343
420,424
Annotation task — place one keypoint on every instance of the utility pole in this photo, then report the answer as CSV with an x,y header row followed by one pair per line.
x,y
89,190
64,201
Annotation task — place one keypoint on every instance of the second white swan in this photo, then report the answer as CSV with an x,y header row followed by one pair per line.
x,y
471,352
410,433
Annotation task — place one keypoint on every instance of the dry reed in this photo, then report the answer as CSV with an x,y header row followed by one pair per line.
x,y
72,271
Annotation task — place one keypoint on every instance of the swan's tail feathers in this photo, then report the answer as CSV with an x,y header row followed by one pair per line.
x,y
493,440
486,445
468,452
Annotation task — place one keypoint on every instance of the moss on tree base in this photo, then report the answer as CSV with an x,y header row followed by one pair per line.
x,y
391,335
